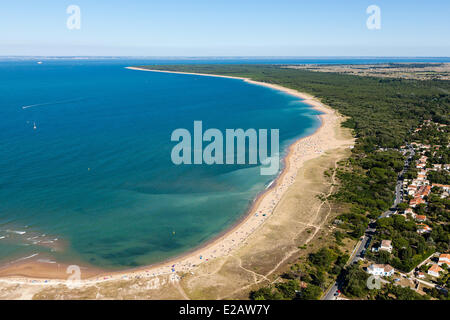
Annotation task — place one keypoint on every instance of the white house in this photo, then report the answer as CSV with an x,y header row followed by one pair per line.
x,y
423,228
420,275
420,165
383,270
412,190
386,245
410,211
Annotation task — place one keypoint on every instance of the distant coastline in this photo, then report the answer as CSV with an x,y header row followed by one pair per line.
x,y
309,99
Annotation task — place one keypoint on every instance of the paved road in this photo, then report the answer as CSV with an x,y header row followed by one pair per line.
x,y
331,294
357,254
398,188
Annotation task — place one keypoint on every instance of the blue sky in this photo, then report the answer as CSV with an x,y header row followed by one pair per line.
x,y
225,28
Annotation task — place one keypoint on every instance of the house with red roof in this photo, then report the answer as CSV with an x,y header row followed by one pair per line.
x,y
421,218
435,271
444,258
423,228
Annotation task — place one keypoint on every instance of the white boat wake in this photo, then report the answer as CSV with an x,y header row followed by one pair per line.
x,y
51,103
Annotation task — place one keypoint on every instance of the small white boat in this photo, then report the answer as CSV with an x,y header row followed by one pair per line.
x,y
34,126
39,62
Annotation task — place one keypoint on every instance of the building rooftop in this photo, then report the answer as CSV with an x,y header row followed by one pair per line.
x,y
444,256
435,268
386,243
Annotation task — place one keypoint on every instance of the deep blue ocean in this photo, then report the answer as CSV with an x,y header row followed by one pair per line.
x,y
85,167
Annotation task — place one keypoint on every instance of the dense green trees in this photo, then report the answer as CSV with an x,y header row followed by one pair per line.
x,y
392,292
434,135
266,293
441,177
288,289
322,258
371,183
355,282
409,247
311,292
438,209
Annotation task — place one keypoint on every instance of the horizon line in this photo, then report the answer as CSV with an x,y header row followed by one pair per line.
x,y
212,56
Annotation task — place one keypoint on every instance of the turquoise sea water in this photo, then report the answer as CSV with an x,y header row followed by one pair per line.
x,y
96,174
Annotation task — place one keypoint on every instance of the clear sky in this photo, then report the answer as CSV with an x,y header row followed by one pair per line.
x,y
225,28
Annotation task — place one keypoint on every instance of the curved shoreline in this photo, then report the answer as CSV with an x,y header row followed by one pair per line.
x,y
231,238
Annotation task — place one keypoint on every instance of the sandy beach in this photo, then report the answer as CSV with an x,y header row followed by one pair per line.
x,y
36,276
